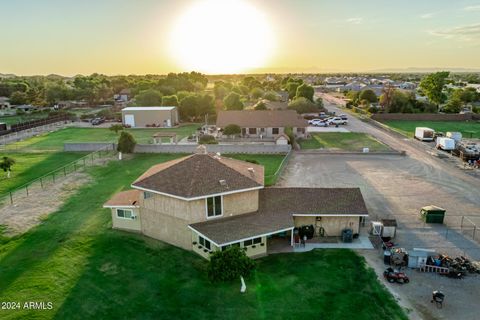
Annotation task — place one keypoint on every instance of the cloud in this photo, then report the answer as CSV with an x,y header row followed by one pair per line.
x,y
427,15
356,20
464,33
472,8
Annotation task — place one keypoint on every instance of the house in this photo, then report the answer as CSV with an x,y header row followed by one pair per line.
x,y
4,103
123,96
26,108
263,123
141,117
273,105
205,202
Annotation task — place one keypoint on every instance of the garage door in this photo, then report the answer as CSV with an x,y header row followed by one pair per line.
x,y
130,120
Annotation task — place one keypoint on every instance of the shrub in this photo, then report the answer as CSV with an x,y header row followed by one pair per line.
x,y
126,143
291,136
252,161
372,109
229,265
261,106
232,129
116,128
207,139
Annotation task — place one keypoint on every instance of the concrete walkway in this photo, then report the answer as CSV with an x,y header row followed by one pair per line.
x,y
361,243
312,129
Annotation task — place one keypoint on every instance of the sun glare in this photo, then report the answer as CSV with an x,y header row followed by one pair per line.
x,y
221,36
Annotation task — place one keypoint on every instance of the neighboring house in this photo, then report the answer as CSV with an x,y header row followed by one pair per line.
x,y
141,117
273,105
123,96
4,103
206,202
265,123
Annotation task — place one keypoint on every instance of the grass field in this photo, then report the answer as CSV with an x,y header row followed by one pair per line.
x,y
270,162
30,166
89,271
22,118
345,141
407,128
55,140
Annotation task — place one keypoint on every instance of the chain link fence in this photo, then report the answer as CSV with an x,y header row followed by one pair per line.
x,y
24,191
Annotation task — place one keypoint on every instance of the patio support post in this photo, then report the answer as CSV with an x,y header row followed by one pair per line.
x,y
291,237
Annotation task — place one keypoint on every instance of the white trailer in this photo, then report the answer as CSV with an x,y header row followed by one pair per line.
x,y
424,134
446,144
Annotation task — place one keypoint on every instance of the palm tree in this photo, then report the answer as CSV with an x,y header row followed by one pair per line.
x,y
6,165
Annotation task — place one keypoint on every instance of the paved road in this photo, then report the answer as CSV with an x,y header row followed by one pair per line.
x,y
415,149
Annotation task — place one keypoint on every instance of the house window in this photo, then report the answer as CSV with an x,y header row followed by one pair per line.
x,y
147,195
252,130
257,240
275,130
124,213
214,206
204,242
262,130
247,243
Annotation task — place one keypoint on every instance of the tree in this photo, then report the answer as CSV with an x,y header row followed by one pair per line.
x,y
319,103
148,97
170,101
432,86
116,128
271,96
233,102
261,106
291,87
256,93
6,165
229,264
126,144
454,105
207,139
231,130
305,91
18,98
368,95
387,96
303,105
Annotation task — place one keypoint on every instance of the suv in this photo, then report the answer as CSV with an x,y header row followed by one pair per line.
x,y
337,121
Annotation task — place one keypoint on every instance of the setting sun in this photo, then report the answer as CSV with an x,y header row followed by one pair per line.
x,y
221,37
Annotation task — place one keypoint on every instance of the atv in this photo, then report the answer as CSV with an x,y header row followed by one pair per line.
x,y
395,276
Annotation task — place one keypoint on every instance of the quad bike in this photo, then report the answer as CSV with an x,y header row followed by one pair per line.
x,y
395,276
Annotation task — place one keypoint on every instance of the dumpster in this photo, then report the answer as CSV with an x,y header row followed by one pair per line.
x,y
432,214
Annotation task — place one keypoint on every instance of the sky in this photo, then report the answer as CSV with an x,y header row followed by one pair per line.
x,y
71,37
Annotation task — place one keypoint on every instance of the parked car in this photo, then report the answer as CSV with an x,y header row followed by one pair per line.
x,y
337,121
97,121
343,116
321,123
322,115
313,121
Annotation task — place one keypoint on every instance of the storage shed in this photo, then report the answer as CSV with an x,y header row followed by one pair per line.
x,y
418,257
432,214
142,117
389,228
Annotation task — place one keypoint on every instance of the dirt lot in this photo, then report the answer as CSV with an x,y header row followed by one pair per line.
x,y
25,213
398,186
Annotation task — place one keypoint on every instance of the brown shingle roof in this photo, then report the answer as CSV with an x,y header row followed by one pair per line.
x,y
276,207
124,198
200,175
260,119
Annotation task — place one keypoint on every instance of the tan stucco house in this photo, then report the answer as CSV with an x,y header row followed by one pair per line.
x,y
205,202
263,123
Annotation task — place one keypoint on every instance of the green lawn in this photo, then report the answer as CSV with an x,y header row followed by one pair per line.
x,y
89,271
23,118
271,163
56,139
407,128
345,141
30,166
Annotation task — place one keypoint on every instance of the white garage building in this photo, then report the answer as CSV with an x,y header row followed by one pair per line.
x,y
141,117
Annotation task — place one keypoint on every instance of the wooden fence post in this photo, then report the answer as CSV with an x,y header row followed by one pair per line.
x,y
11,198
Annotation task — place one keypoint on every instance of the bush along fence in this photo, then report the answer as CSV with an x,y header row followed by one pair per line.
x,y
55,176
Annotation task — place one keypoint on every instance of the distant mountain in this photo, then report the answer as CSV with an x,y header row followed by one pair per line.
x,y
425,70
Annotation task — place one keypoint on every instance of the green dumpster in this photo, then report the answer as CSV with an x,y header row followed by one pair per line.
x,y
432,214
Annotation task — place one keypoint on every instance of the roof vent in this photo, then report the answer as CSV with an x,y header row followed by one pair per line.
x,y
201,149
223,182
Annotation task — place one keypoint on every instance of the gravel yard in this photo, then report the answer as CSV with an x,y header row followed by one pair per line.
x,y
398,186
